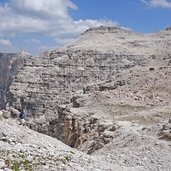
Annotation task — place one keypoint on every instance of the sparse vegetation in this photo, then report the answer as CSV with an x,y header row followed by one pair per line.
x,y
15,166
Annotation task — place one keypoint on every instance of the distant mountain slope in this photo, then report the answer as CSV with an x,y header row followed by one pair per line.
x,y
10,64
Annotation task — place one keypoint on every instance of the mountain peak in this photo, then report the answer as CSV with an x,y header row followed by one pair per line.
x,y
104,29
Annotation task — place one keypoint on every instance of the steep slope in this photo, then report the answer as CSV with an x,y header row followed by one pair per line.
x,y
109,71
10,64
24,149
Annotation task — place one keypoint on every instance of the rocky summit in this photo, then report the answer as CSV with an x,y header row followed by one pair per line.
x,y
106,94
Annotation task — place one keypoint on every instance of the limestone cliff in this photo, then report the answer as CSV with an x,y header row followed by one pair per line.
x,y
10,64
122,65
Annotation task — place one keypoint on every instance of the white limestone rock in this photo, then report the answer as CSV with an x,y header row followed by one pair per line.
x,y
2,163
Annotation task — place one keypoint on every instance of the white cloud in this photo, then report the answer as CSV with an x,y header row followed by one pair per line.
x,y
42,8
5,42
48,17
158,3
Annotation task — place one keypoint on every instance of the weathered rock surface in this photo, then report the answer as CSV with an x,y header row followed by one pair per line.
x,y
24,149
84,93
6,114
10,64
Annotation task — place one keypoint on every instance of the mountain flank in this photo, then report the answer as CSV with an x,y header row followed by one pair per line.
x,y
106,94
10,64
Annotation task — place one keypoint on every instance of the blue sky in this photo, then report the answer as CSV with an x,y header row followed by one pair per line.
x,y
134,14
38,25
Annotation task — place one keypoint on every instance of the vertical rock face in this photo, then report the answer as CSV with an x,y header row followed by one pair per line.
x,y
10,64
102,59
56,76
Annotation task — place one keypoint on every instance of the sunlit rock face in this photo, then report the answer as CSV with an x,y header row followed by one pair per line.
x,y
120,65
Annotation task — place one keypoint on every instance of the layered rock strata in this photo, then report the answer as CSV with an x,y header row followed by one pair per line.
x,y
10,64
122,65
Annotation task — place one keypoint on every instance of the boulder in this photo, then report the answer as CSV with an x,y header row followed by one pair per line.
x,y
2,163
6,114
80,100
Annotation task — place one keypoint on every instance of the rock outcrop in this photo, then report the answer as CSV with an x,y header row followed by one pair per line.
x,y
96,77
132,146
10,65
24,149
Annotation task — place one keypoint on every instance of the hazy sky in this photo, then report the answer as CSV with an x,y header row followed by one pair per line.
x,y
37,25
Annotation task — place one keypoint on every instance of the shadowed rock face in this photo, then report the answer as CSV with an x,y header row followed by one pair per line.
x,y
112,61
10,64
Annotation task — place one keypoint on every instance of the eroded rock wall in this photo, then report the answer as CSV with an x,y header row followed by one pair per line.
x,y
101,60
53,78
10,64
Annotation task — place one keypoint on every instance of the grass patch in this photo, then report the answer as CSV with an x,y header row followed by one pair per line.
x,y
27,165
15,166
